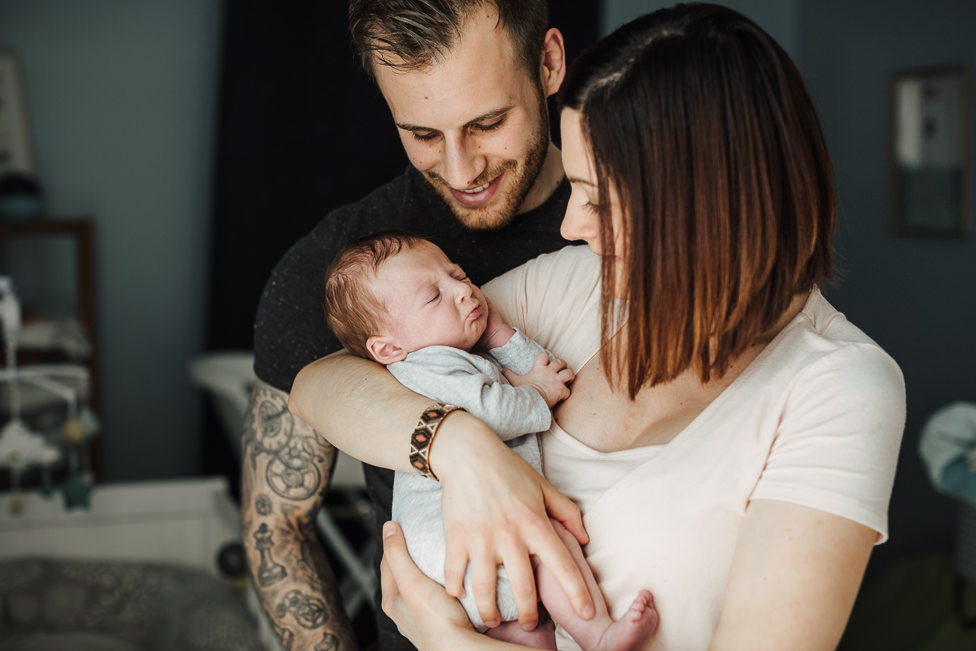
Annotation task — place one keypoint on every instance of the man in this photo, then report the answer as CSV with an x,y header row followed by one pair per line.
x,y
466,82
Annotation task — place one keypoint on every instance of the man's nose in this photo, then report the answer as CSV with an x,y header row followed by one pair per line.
x,y
463,162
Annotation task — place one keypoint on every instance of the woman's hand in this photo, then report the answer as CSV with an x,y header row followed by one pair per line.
x,y
496,511
423,612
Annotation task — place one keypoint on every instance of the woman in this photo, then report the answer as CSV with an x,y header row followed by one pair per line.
x,y
730,438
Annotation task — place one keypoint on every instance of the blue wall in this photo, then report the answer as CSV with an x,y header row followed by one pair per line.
x,y
778,17
121,96
916,296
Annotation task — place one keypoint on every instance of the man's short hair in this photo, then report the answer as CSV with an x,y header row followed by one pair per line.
x,y
415,34
352,309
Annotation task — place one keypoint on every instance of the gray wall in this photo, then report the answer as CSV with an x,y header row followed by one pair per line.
x,y
122,97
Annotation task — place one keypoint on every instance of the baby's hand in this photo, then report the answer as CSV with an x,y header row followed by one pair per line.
x,y
550,377
497,332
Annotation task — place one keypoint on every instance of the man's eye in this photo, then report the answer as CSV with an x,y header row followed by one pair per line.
x,y
490,126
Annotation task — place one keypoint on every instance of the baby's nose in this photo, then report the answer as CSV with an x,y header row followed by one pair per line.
x,y
464,291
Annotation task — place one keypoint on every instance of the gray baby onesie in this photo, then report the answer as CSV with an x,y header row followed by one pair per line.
x,y
517,414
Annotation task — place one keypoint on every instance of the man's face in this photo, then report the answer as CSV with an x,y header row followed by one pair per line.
x,y
475,124
429,301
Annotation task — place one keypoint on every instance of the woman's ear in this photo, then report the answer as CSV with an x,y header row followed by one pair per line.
x,y
553,67
385,350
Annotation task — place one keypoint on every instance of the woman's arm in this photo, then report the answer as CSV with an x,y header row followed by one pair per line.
x,y
496,509
794,577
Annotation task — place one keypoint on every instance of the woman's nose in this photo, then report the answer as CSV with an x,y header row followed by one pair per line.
x,y
579,224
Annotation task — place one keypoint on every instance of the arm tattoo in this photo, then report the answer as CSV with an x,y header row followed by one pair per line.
x,y
293,471
285,476
269,572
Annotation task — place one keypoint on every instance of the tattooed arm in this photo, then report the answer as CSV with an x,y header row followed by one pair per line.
x,y
286,469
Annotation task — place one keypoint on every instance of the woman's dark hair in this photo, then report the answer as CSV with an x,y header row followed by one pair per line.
x,y
414,34
702,125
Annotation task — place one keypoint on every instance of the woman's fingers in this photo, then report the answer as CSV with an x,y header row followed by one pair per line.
x,y
394,551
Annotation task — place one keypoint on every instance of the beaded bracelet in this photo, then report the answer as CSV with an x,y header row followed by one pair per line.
x,y
423,436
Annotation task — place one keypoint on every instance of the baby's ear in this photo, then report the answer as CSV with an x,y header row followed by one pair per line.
x,y
385,350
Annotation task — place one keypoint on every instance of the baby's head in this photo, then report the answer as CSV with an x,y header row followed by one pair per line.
x,y
393,293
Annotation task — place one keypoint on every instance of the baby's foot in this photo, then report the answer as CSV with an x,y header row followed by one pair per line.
x,y
630,631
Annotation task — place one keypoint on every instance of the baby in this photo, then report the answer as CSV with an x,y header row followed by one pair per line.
x,y
397,299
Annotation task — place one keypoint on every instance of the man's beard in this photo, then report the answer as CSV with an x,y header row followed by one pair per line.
x,y
521,177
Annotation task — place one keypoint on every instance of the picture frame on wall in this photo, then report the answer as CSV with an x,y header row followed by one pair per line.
x,y
16,152
931,151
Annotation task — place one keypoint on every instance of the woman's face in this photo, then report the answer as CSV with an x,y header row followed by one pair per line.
x,y
582,221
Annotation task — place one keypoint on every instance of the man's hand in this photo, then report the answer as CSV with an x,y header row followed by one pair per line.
x,y
285,472
550,377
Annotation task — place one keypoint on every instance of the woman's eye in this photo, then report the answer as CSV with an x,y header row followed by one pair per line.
x,y
424,136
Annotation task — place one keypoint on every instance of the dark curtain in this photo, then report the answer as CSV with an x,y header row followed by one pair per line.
x,y
301,130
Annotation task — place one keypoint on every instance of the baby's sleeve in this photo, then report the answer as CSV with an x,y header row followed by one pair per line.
x,y
519,353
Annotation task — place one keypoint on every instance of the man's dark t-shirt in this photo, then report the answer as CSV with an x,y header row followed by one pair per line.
x,y
290,329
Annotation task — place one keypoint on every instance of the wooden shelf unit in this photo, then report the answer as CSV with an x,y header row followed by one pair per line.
x,y
81,231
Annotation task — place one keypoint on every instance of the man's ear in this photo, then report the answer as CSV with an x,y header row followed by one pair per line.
x,y
553,66
385,350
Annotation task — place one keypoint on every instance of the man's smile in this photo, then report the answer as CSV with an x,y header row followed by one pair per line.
x,y
480,195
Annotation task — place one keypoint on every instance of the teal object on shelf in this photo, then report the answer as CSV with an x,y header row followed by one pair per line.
x,y
19,208
20,197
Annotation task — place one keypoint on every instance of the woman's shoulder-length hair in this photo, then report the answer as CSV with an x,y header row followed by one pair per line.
x,y
702,125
